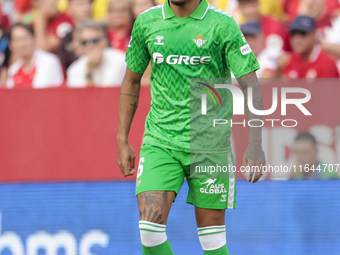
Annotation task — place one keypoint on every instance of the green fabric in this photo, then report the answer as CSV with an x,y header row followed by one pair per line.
x,y
162,249
206,44
221,251
164,169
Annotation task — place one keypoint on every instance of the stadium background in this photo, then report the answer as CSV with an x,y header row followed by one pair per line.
x,y
62,193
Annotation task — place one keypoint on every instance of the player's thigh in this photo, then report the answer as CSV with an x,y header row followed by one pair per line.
x,y
154,206
159,179
158,170
215,186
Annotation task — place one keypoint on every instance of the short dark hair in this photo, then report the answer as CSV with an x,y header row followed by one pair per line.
x,y
20,25
306,136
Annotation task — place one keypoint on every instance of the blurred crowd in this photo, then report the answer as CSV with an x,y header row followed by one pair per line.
x,y
80,43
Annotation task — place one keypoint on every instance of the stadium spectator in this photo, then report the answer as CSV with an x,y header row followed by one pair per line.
x,y
4,57
100,66
331,42
276,34
80,10
267,7
27,10
120,20
256,40
33,68
308,60
51,26
139,6
306,153
320,10
4,20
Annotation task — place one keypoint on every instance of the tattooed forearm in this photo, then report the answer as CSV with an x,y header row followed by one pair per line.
x,y
153,206
134,107
250,81
129,95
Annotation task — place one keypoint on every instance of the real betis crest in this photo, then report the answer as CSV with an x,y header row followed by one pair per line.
x,y
199,41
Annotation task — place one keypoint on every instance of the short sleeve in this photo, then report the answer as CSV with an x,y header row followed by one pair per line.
x,y
137,54
238,55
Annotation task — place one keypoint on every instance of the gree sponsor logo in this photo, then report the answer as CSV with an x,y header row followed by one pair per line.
x,y
158,58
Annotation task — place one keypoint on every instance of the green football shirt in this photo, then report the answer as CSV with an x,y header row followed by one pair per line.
x,y
206,44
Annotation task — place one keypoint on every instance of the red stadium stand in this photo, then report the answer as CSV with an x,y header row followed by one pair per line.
x,y
70,134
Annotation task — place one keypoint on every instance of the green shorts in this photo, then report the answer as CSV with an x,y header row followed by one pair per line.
x,y
165,169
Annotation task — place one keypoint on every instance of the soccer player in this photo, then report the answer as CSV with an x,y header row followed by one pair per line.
x,y
185,40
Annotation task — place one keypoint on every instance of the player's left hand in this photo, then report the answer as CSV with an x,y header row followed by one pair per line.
x,y
254,158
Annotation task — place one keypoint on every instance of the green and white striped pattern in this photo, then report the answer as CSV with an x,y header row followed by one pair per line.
x,y
211,230
151,227
232,185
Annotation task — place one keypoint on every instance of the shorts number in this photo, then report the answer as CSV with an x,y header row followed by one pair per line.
x,y
140,168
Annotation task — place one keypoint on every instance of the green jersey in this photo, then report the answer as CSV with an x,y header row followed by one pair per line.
x,y
206,44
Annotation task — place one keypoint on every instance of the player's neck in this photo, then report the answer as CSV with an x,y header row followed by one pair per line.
x,y
186,9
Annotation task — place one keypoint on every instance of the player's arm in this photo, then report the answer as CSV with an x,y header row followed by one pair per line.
x,y
128,101
254,155
137,59
242,62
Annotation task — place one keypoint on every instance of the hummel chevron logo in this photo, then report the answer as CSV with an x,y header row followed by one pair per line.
x,y
159,40
199,41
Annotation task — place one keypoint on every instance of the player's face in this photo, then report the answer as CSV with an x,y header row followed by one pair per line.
x,y
22,42
305,152
80,9
256,43
250,10
302,42
119,14
179,2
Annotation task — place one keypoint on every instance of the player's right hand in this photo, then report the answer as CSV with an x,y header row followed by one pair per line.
x,y
126,158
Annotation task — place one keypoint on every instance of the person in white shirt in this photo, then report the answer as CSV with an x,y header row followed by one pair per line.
x,y
331,42
32,68
100,66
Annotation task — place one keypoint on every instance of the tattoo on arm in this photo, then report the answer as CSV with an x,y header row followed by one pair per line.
x,y
250,81
152,206
129,95
134,107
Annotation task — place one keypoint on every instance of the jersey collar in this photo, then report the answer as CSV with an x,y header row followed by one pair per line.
x,y
198,14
